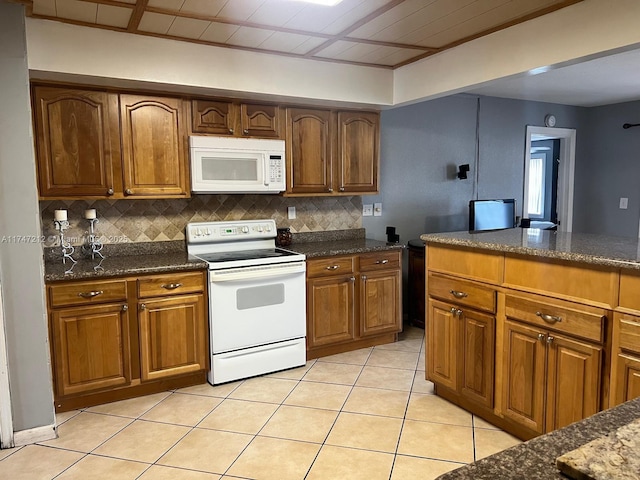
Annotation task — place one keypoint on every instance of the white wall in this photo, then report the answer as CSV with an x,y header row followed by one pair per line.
x,y
583,31
20,250
104,54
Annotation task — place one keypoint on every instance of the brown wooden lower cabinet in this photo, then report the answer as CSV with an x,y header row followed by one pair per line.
x,y
625,375
353,302
114,339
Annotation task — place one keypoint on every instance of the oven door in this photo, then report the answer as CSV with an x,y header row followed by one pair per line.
x,y
256,306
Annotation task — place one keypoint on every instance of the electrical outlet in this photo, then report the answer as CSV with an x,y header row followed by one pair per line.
x,y
291,212
367,210
377,209
624,203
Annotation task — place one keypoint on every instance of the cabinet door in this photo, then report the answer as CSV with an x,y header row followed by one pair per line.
x,y
172,336
91,348
77,142
330,310
627,385
442,344
217,117
309,151
380,300
573,381
358,157
524,375
153,147
257,120
478,351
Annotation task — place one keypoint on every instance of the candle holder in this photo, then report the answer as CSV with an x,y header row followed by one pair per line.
x,y
67,248
91,245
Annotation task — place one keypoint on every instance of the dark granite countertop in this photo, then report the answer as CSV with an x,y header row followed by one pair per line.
x,y
576,247
156,257
536,459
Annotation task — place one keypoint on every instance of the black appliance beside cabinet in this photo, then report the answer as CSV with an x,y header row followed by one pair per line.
x,y
416,283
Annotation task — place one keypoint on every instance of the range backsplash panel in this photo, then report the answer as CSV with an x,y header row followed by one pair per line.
x,y
125,221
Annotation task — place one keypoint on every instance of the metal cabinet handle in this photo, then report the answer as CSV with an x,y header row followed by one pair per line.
x,y
541,337
364,277
91,294
231,131
458,294
352,279
110,191
128,191
171,286
549,318
245,131
143,306
125,308
329,189
382,262
456,311
550,339
333,267
341,189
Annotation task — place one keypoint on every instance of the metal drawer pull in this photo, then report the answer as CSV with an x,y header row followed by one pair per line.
x,y
333,267
171,286
458,294
383,262
548,318
92,294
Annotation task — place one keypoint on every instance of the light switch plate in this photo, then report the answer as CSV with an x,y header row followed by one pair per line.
x,y
624,203
367,210
291,212
377,209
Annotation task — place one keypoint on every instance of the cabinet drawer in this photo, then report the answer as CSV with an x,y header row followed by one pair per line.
x,y
380,260
629,288
329,266
170,284
578,320
462,292
476,264
630,333
84,293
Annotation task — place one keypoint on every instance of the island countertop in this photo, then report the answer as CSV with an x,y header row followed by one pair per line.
x,y
594,249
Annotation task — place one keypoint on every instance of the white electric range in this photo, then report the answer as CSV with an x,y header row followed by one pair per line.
x,y
257,298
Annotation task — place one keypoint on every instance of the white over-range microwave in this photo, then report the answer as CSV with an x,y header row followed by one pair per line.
x,y
236,165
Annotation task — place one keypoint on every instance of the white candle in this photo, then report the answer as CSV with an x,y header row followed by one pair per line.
x,y
60,215
90,213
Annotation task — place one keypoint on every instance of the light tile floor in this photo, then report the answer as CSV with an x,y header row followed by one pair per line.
x,y
367,414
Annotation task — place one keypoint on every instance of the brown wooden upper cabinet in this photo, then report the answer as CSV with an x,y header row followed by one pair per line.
x,y
77,141
93,144
332,153
226,117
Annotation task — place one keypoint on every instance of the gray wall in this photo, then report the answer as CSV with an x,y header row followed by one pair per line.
x,y
421,144
608,168
21,267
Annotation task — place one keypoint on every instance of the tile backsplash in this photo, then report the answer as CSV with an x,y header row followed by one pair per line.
x,y
125,221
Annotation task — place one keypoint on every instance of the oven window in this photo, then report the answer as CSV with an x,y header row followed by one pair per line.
x,y
229,169
255,297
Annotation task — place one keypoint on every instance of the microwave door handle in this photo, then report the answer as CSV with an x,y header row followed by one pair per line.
x,y
265,170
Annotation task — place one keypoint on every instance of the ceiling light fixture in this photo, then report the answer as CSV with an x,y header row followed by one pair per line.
x,y
326,3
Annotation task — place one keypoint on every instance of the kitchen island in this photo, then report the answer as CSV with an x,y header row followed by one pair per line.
x,y
533,329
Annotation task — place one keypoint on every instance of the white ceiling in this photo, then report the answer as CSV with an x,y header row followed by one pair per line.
x,y
601,81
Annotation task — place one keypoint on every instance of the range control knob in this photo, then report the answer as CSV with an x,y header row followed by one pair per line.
x,y
245,229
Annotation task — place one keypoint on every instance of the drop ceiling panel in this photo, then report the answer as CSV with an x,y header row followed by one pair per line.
x,y
114,16
218,32
208,8
374,32
44,7
188,27
76,10
156,23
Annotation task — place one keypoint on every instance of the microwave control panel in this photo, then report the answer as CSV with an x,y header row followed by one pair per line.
x,y
276,169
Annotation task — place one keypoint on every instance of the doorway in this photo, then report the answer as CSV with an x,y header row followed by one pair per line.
x,y
563,212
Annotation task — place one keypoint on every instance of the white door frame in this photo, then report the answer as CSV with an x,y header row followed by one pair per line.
x,y
6,418
566,170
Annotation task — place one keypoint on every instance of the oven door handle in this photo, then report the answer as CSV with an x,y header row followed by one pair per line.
x,y
251,274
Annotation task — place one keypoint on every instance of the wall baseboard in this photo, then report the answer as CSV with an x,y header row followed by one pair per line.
x,y
33,435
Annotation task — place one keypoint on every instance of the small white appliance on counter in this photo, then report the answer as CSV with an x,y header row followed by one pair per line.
x,y
257,298
236,165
